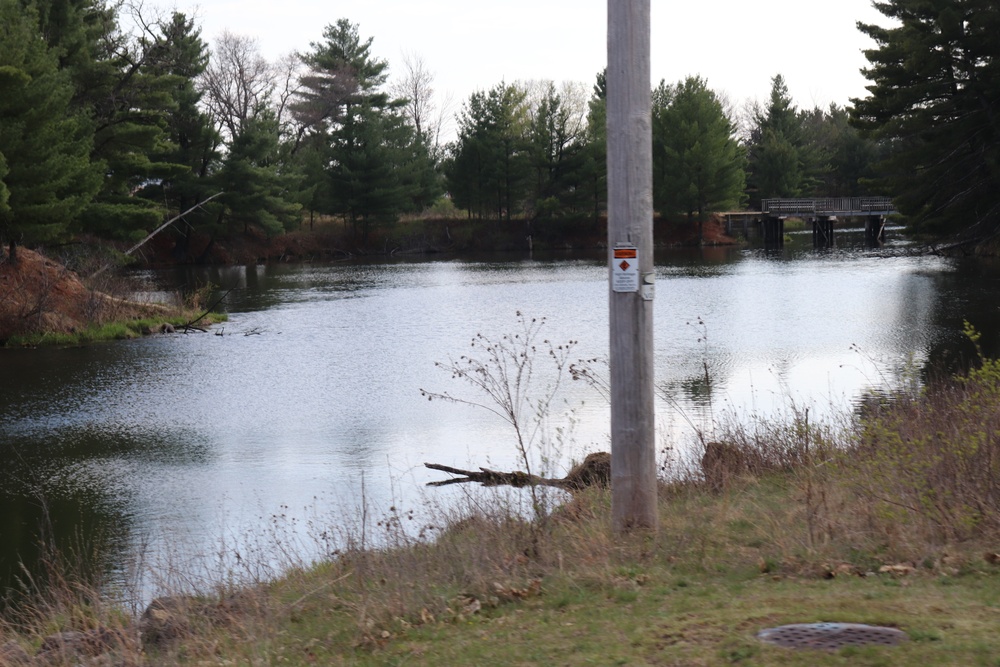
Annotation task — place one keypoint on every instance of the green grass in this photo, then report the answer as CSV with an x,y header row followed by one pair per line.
x,y
721,568
108,331
694,594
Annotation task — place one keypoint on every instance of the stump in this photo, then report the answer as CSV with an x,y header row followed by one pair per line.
x,y
721,463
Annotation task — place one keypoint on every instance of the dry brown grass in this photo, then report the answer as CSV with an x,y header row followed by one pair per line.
x,y
894,505
487,562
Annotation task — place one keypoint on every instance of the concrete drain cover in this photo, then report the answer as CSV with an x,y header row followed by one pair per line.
x,y
831,635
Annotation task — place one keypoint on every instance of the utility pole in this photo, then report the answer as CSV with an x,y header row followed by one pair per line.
x,y
630,247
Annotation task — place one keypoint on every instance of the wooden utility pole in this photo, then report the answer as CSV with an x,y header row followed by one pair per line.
x,y
630,247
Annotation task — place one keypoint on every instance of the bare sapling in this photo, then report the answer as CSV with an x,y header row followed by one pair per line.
x,y
509,382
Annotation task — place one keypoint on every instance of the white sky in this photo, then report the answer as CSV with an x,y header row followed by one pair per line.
x,y
469,45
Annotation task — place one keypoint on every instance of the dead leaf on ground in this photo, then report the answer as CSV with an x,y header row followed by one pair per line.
x,y
898,570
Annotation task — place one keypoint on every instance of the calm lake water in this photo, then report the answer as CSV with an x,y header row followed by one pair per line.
x,y
180,451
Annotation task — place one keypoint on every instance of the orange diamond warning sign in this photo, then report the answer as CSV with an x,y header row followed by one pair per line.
x,y
625,274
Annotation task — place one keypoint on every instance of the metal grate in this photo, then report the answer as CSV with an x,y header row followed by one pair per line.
x,y
831,635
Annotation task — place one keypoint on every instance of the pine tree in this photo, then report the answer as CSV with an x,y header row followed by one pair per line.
x,y
44,145
844,158
372,177
377,165
556,148
780,162
4,170
121,83
698,164
490,165
935,102
594,172
192,142
258,194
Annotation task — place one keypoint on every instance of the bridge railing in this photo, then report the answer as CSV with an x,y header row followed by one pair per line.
x,y
828,206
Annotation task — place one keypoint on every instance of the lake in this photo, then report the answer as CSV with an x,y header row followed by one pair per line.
x,y
182,454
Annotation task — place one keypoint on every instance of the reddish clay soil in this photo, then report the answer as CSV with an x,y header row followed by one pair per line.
x,y
40,295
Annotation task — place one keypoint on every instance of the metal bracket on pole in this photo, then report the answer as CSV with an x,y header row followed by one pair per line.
x,y
648,286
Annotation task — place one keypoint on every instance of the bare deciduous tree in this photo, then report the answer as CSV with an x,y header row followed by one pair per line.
x,y
237,83
288,83
416,87
573,104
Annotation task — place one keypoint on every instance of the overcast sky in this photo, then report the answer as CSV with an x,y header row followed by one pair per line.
x,y
469,45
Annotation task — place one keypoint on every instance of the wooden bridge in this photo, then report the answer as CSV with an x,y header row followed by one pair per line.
x,y
820,211
840,207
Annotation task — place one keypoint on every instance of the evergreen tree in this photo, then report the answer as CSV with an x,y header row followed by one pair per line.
x,y
124,84
846,158
192,141
310,159
556,151
376,166
935,101
490,166
594,171
698,164
257,192
4,170
341,73
780,163
422,171
79,33
47,177
373,177
344,53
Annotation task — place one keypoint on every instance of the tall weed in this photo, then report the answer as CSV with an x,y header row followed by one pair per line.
x,y
507,380
933,460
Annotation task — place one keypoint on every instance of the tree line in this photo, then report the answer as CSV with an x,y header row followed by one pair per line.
x,y
110,119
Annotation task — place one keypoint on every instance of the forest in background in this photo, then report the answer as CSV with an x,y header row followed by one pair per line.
x,y
113,120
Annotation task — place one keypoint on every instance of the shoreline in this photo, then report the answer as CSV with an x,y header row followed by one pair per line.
x,y
46,304
792,524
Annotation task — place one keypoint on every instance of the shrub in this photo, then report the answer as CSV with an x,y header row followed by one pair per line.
x,y
935,458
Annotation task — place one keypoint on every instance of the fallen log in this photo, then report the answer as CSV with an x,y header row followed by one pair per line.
x,y
158,230
191,325
594,471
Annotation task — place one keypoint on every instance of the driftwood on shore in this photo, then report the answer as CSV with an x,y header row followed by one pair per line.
x,y
191,325
594,471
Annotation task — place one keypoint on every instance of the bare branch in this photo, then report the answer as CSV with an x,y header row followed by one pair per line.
x,y
416,87
594,471
502,373
287,78
238,82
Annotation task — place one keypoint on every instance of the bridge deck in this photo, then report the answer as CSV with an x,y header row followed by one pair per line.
x,y
828,206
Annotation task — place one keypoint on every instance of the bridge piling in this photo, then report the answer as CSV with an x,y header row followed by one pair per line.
x,y
768,223
875,230
823,231
740,222
774,232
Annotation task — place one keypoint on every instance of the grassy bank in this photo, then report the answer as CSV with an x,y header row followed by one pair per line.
x,y
171,320
45,302
891,519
